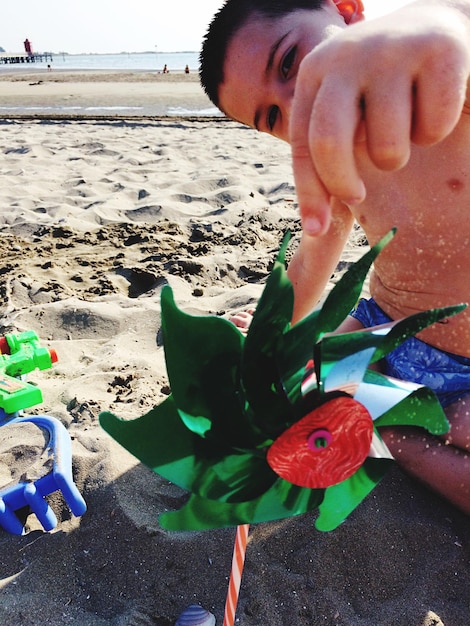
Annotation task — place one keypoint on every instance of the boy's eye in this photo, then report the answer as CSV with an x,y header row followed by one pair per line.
x,y
288,61
272,117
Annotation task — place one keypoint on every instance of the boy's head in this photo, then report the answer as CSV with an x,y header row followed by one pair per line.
x,y
252,50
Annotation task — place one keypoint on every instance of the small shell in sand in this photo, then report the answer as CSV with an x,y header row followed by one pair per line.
x,y
195,615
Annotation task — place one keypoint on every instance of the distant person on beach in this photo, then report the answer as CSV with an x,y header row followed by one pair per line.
x,y
186,69
165,69
378,122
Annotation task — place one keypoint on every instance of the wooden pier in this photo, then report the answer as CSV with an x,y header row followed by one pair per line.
x,y
6,58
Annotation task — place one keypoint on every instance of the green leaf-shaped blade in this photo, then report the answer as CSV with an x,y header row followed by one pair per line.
x,y
259,371
231,478
160,440
281,501
340,500
295,348
203,356
343,297
331,349
421,408
412,325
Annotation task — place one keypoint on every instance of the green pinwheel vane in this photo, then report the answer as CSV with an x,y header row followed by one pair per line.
x,y
284,420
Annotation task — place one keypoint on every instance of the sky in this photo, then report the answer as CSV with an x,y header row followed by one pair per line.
x,y
103,26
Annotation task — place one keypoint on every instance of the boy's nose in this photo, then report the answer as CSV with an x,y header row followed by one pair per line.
x,y
286,107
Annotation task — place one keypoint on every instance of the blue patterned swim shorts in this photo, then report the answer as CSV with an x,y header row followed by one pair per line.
x,y
448,375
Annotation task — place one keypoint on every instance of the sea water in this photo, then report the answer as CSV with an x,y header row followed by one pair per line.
x,y
150,61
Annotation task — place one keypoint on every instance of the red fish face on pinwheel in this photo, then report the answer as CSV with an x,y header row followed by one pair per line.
x,y
326,446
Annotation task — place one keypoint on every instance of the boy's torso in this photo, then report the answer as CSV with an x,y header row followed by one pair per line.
x,y
428,263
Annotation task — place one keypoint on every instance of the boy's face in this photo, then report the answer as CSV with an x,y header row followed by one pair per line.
x,y
262,61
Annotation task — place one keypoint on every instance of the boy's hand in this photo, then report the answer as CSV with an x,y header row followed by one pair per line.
x,y
389,82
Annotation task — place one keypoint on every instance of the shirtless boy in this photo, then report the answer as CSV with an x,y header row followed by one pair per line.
x,y
378,121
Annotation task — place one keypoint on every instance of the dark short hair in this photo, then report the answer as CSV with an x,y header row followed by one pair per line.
x,y
228,21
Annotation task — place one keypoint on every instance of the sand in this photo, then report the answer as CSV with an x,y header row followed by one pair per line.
x,y
95,93
96,215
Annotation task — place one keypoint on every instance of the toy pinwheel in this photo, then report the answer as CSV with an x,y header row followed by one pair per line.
x,y
284,420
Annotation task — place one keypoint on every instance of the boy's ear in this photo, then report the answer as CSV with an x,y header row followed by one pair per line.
x,y
351,10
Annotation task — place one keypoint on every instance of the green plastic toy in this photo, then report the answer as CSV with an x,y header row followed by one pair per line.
x,y
283,421
21,354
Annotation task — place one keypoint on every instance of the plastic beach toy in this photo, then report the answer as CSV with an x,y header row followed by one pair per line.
x,y
33,494
283,421
21,354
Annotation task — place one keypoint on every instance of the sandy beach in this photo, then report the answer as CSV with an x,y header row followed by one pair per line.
x,y
98,212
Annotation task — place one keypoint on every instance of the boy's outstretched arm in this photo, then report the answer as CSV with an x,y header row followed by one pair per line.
x,y
315,260
391,81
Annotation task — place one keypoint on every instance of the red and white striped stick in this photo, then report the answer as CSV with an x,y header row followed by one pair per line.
x,y
238,560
